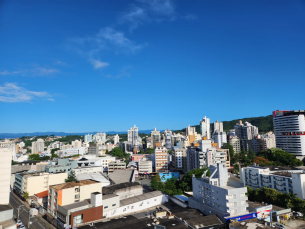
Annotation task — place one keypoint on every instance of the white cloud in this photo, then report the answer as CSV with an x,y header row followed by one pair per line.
x,y
190,17
146,11
124,72
98,64
36,71
58,62
11,93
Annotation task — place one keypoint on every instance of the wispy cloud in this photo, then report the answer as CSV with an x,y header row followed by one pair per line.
x,y
124,72
107,40
36,71
11,93
98,64
190,17
146,11
58,62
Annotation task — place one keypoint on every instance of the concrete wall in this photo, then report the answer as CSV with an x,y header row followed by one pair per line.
x,y
129,192
6,215
5,175
108,203
134,207
68,196
86,190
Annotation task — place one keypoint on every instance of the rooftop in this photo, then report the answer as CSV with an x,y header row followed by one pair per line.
x,y
142,197
285,174
76,205
92,176
121,176
42,194
72,184
112,188
105,197
5,207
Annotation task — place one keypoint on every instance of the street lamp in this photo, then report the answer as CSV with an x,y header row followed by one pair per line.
x,y
18,211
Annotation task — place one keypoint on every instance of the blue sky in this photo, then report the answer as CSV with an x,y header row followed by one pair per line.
x,y
78,66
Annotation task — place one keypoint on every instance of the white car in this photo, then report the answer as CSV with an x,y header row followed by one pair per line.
x,y
19,223
22,227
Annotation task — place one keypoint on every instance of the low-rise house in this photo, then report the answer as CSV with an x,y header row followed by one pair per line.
x,y
41,199
114,165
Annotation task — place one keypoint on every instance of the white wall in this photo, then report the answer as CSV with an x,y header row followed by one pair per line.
x,y
5,175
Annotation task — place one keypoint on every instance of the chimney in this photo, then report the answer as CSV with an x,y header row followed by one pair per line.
x,y
96,199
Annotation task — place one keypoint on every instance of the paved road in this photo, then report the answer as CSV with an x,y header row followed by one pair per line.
x,y
23,214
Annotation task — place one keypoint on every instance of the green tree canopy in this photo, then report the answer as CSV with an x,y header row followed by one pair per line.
x,y
71,177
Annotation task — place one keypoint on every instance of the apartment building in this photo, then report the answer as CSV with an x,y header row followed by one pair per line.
x,y
114,165
218,194
116,139
218,156
72,151
133,135
76,143
155,137
205,128
217,126
179,158
168,139
106,160
62,165
68,193
196,158
161,159
246,131
88,138
289,130
235,142
220,138
33,182
38,146
284,180
145,167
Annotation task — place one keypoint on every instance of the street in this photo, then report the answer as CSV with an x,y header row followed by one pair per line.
x,y
23,214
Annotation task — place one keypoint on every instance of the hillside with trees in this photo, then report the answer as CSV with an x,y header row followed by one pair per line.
x,y
264,124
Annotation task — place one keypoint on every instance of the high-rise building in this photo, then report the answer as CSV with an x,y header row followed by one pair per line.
x,y
179,158
38,146
133,135
88,138
217,126
205,128
155,137
219,195
12,147
289,130
196,158
246,131
116,139
99,137
235,142
161,159
220,138
5,163
168,138
76,143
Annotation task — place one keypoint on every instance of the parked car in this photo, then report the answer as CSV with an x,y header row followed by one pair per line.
x,y
22,227
19,223
278,225
298,214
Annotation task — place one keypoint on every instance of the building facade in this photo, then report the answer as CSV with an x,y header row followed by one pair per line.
x,y
205,128
38,146
218,194
155,138
179,158
246,131
145,167
289,129
161,159
220,138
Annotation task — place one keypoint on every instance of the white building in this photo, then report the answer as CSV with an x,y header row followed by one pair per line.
x,y
220,138
88,138
168,138
145,166
133,135
5,177
72,151
38,146
97,161
155,137
99,137
205,128
76,143
217,126
179,158
11,145
284,181
235,142
161,159
289,129
246,131
218,194
105,161
21,145
116,139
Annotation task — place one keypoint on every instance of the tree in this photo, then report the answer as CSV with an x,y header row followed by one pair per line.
x,y
71,177
14,163
25,195
236,168
156,182
188,177
34,157
169,151
150,151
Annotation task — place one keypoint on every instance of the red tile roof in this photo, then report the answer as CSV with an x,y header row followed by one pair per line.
x,y
42,194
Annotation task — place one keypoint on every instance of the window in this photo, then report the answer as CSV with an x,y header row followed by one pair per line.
x,y
105,207
77,196
113,205
78,219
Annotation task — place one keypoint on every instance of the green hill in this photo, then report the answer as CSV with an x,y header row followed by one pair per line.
x,y
264,124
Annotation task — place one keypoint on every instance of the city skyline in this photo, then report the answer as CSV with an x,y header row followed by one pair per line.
x,y
101,65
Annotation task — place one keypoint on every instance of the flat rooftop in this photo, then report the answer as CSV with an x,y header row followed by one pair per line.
x,y
112,188
139,198
73,184
76,205
121,176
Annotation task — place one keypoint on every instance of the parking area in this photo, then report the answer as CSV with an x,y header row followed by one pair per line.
x,y
295,224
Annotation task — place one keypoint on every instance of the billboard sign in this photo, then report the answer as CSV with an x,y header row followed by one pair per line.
x,y
263,213
243,217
